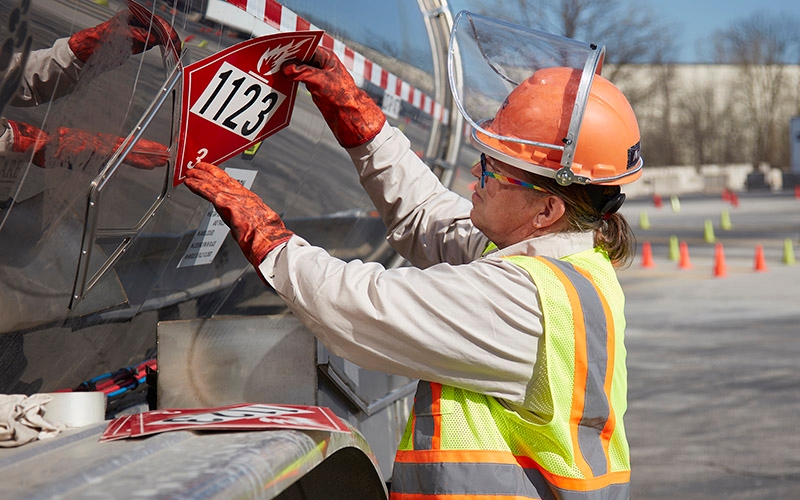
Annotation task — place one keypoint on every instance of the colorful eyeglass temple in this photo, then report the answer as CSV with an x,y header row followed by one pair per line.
x,y
485,173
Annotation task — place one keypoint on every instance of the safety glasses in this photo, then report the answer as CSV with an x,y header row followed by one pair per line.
x,y
504,178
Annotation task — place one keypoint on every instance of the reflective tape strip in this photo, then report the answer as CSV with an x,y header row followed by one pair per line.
x,y
454,480
505,457
608,430
591,407
463,478
427,416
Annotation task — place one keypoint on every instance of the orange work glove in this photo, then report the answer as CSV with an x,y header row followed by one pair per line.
x,y
256,227
77,146
124,26
351,114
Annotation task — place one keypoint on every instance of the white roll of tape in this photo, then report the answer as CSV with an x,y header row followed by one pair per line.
x,y
75,409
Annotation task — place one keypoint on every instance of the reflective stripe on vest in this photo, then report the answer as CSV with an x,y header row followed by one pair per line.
x,y
452,475
427,427
424,470
590,406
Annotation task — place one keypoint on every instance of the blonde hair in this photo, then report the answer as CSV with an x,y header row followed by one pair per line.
x,y
583,212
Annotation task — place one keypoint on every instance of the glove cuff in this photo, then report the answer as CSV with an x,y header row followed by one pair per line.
x,y
354,119
278,237
26,137
85,42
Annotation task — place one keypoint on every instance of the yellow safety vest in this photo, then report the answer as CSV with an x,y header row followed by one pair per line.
x,y
461,445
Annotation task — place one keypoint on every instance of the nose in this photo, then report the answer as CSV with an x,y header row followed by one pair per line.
x,y
476,169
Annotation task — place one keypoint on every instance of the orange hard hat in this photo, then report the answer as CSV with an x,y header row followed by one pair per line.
x,y
532,130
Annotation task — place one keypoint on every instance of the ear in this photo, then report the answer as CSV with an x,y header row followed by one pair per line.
x,y
551,211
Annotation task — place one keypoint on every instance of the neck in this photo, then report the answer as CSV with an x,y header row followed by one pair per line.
x,y
506,240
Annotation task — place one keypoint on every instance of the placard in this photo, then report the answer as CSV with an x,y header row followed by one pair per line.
x,y
245,416
238,97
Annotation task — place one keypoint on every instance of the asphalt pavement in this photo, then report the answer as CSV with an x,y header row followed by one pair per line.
x,y
714,383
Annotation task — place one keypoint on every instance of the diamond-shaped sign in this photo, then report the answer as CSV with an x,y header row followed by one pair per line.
x,y
238,97
243,416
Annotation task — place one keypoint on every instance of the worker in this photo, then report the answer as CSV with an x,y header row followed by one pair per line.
x,y
48,74
511,314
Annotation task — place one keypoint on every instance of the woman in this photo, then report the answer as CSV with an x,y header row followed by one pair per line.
x,y
511,315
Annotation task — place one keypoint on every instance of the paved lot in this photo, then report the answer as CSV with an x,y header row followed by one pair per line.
x,y
714,383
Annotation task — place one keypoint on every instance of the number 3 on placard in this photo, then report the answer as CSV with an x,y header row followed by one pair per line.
x,y
200,155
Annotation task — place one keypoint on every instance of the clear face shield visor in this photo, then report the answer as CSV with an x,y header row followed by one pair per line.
x,y
488,59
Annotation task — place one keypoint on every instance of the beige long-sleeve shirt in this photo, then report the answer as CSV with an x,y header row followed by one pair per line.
x,y
456,317
48,74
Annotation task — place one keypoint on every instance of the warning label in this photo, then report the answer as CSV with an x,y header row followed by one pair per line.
x,y
212,231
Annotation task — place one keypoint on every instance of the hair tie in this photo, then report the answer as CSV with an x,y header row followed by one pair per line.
x,y
612,205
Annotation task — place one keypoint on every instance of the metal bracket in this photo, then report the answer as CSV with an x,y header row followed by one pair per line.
x,y
367,407
82,283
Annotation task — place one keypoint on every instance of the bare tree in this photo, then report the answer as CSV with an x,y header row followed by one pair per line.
x,y
656,115
762,45
631,36
709,126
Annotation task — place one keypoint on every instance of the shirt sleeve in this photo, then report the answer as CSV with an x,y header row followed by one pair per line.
x,y
453,317
474,326
49,74
427,223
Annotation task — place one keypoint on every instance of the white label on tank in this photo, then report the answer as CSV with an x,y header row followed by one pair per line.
x,y
212,231
12,165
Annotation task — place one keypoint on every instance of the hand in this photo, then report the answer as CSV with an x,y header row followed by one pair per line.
x,y
71,146
256,227
124,27
351,114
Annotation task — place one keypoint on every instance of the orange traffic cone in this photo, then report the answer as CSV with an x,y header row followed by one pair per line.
x,y
647,255
760,264
720,269
657,201
684,262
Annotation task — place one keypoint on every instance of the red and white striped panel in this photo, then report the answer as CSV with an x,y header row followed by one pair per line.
x,y
283,19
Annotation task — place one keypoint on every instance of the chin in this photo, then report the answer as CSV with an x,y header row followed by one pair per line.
x,y
475,220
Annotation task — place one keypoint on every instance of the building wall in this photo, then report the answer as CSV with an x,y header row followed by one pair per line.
x,y
696,114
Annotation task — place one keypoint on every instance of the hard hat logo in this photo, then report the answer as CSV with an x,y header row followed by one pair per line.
x,y
537,102
634,155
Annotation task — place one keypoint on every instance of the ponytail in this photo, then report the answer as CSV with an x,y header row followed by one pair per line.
x,y
616,237
583,212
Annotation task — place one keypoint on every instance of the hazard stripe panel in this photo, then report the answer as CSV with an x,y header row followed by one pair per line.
x,y
283,19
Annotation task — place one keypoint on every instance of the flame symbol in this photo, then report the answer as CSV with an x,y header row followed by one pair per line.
x,y
272,60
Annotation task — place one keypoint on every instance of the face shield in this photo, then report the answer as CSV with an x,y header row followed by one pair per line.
x,y
526,94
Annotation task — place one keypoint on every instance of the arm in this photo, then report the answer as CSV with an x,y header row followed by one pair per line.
x,y
474,326
67,147
49,74
427,223
53,72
